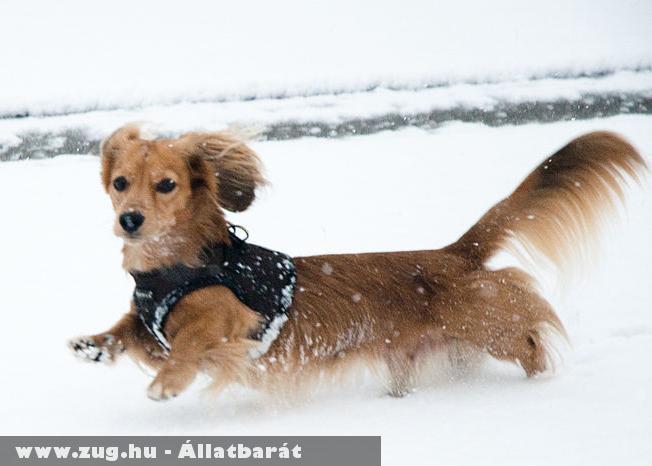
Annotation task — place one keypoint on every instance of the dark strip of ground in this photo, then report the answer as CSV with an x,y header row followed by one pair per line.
x,y
37,145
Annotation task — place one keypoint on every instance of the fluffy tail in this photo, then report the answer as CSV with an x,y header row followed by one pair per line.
x,y
557,209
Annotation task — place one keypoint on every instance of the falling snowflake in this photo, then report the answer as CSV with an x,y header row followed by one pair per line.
x,y
327,268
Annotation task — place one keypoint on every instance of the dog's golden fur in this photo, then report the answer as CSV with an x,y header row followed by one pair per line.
x,y
382,309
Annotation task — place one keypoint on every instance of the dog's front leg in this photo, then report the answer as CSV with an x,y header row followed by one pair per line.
x,y
105,347
215,341
179,370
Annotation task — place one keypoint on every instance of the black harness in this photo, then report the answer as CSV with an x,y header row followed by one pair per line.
x,y
263,280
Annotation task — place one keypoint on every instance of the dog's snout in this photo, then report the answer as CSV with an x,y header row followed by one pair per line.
x,y
131,221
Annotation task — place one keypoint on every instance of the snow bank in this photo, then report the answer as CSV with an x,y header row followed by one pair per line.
x,y
61,277
74,55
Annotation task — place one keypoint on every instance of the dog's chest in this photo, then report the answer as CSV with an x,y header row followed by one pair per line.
x,y
262,279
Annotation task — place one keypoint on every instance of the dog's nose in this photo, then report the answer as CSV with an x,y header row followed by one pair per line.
x,y
131,221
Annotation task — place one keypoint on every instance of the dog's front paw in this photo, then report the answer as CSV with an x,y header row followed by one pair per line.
x,y
100,348
168,384
158,391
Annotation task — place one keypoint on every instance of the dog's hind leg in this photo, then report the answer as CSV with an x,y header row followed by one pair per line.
x,y
500,312
462,357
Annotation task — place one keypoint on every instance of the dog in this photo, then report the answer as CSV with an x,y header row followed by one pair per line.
x,y
387,310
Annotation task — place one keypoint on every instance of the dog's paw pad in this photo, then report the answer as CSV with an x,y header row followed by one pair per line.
x,y
86,349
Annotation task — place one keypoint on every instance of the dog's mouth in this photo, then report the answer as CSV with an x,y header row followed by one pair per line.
x,y
140,238
134,237
143,235
131,238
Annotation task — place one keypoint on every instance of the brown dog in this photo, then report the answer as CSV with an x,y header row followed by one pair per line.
x,y
387,310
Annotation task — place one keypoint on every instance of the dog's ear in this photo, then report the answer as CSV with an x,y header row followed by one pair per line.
x,y
234,165
111,147
202,174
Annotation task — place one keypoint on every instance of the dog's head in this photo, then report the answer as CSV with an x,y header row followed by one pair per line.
x,y
176,188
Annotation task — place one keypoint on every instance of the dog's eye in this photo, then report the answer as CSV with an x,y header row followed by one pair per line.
x,y
165,186
120,183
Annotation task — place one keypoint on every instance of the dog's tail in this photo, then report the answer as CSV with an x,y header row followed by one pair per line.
x,y
557,209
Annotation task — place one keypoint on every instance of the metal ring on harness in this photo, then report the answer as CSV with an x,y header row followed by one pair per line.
x,y
233,228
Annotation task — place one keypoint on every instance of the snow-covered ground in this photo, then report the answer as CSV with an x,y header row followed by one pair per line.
x,y
61,276
75,55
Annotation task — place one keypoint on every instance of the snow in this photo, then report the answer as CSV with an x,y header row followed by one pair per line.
x,y
409,189
128,54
